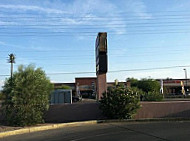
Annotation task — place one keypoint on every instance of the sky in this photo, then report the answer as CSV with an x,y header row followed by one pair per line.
x,y
146,38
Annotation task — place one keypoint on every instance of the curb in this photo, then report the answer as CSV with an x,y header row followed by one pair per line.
x,y
72,124
143,120
43,128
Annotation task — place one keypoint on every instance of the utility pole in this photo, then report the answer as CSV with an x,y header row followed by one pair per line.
x,y
11,60
185,79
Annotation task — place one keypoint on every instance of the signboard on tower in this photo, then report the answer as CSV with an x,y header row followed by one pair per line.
x,y
101,53
101,63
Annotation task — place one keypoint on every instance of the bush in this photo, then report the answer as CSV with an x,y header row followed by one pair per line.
x,y
119,103
137,91
148,85
63,87
148,89
2,97
27,96
153,96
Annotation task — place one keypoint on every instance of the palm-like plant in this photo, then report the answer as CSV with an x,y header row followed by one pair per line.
x,y
11,60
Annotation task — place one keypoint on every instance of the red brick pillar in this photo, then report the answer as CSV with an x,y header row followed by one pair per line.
x,y
101,85
128,84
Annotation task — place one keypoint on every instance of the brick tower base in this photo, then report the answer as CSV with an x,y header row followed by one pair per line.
x,y
101,85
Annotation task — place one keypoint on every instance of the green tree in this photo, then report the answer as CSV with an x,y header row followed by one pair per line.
x,y
1,96
27,97
133,81
153,96
137,91
148,85
148,89
119,103
63,87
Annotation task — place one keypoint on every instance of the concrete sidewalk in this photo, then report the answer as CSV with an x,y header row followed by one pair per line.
x,y
9,131
8,128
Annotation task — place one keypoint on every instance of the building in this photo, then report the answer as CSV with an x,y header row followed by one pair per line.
x,y
174,87
86,86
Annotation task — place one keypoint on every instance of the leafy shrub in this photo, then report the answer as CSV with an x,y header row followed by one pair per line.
x,y
148,85
63,87
27,96
119,103
153,96
137,91
148,89
2,97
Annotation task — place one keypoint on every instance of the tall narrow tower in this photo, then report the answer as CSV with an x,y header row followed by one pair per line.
x,y
101,63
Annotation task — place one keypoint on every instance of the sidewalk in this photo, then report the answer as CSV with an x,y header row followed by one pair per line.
x,y
9,131
8,128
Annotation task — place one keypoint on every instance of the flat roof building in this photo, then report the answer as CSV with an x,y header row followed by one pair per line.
x,y
87,86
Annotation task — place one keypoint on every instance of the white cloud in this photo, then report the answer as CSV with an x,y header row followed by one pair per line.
x,y
140,10
179,6
31,47
2,43
98,13
32,8
108,15
137,8
11,45
7,23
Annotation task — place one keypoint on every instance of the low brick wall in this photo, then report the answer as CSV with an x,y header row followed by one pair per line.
x,y
74,112
90,111
171,109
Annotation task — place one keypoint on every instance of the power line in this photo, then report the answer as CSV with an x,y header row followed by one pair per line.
x,y
95,27
93,56
157,68
91,33
33,15
91,13
144,61
4,75
52,50
129,70
97,24
93,50
121,19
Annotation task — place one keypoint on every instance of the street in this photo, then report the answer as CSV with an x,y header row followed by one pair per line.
x,y
122,131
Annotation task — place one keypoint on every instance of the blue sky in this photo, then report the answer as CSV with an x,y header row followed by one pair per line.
x,y
59,36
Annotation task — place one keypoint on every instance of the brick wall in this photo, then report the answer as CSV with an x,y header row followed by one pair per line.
x,y
90,111
85,81
165,109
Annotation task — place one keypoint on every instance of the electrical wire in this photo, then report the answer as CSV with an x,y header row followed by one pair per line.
x,y
98,24
93,50
115,71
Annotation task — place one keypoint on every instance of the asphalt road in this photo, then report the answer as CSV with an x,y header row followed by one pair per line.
x,y
123,131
